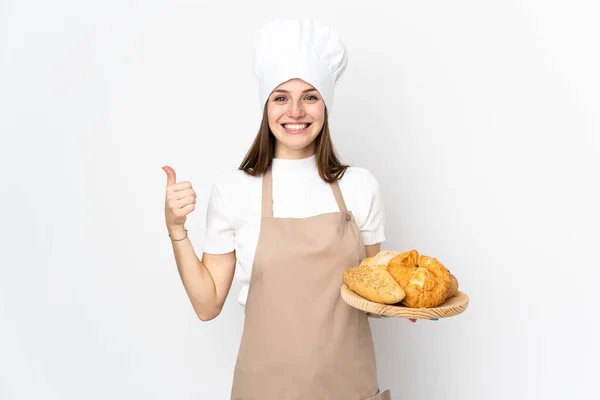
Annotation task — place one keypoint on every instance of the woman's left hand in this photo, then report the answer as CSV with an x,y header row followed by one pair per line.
x,y
379,316
414,319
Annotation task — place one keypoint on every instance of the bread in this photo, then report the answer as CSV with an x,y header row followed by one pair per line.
x,y
426,282
430,285
403,266
453,286
380,259
374,284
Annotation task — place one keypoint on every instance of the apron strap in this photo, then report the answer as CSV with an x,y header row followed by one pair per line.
x,y
267,194
338,196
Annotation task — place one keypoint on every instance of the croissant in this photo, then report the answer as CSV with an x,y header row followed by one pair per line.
x,y
425,281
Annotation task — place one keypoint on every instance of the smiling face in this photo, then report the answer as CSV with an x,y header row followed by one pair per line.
x,y
296,114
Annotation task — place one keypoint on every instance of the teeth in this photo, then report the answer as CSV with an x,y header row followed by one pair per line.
x,y
295,127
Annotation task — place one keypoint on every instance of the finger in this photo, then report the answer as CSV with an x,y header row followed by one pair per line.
x,y
188,209
181,194
179,186
185,201
170,175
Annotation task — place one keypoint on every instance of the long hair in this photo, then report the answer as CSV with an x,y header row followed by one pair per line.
x,y
260,155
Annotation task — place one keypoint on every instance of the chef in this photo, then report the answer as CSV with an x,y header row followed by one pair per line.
x,y
287,224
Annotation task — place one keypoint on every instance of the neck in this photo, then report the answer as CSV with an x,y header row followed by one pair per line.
x,y
293,154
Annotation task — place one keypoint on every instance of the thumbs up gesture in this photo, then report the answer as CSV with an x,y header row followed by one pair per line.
x,y
179,202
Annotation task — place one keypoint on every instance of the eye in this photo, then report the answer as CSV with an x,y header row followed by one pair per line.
x,y
279,99
311,97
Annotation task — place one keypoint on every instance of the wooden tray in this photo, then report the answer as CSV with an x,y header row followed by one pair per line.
x,y
451,307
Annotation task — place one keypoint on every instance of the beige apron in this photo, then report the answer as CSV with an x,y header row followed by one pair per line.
x,y
300,340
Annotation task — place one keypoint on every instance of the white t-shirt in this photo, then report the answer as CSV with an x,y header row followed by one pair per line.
x,y
234,208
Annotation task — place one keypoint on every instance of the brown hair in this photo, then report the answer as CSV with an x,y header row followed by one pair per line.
x,y
260,155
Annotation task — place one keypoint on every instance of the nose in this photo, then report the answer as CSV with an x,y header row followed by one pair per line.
x,y
295,110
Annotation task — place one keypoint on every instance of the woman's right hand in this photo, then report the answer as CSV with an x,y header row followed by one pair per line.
x,y
179,202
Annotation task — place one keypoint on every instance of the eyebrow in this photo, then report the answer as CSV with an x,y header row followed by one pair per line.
x,y
286,91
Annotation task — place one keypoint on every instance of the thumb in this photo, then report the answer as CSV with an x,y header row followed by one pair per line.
x,y
170,175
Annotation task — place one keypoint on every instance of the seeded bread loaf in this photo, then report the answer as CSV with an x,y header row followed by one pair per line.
x,y
374,284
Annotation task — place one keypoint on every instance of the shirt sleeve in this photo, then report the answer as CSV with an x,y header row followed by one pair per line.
x,y
219,237
373,229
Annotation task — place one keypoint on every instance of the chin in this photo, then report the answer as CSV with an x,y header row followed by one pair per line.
x,y
295,144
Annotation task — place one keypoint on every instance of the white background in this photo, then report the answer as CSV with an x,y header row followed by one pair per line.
x,y
480,120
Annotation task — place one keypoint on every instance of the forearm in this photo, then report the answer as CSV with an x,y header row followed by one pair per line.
x,y
196,278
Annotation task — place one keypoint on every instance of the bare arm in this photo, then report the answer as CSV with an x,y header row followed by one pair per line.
x,y
373,249
207,282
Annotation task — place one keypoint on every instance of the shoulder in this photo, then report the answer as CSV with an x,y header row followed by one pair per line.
x,y
358,177
232,182
234,177
361,191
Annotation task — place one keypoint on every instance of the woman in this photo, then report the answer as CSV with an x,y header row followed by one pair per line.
x,y
293,219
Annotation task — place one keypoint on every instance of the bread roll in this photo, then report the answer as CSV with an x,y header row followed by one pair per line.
x,y
453,286
380,259
403,266
374,284
426,283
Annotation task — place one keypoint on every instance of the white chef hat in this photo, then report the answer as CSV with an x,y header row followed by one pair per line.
x,y
304,49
